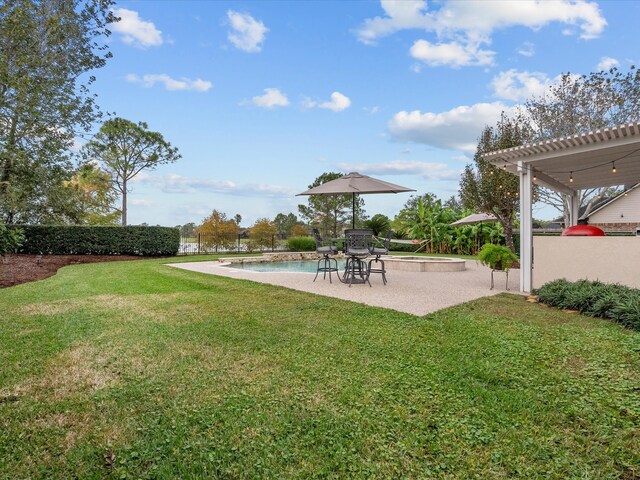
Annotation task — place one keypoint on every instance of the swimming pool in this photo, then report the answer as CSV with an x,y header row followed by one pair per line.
x,y
403,263
303,266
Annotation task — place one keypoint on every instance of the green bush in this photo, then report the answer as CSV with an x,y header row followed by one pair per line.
x,y
497,257
100,240
10,239
301,244
404,247
593,298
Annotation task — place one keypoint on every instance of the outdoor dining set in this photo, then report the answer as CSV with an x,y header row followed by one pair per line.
x,y
358,246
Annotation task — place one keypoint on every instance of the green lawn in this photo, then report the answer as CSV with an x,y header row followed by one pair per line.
x,y
138,370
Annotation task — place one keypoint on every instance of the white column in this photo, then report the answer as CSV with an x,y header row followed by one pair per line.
x,y
574,208
526,231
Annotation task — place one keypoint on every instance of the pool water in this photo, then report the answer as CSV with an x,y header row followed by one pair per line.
x,y
304,266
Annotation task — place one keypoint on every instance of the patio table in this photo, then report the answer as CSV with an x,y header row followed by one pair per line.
x,y
356,248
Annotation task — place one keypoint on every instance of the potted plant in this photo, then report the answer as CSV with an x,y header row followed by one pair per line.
x,y
497,257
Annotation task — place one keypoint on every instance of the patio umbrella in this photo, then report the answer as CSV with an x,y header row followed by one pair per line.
x,y
354,183
474,218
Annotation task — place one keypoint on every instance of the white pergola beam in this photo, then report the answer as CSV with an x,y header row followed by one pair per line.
x,y
552,183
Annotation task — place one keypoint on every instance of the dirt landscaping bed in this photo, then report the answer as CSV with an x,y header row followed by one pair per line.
x,y
17,269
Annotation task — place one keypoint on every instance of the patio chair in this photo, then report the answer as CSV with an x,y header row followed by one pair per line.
x,y
378,252
326,264
357,243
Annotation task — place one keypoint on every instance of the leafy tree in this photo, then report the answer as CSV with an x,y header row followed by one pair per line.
x,y
299,230
125,149
188,229
262,233
47,49
90,189
581,104
330,213
379,223
217,231
284,223
485,188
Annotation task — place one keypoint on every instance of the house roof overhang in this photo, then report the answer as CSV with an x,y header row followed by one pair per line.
x,y
586,158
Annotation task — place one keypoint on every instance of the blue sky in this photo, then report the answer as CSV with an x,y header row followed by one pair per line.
x,y
263,97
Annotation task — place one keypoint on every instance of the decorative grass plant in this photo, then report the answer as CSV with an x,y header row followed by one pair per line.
x,y
596,299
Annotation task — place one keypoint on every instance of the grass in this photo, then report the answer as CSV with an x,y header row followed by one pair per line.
x,y
138,370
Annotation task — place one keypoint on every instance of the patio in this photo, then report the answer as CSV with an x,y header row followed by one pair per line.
x,y
417,293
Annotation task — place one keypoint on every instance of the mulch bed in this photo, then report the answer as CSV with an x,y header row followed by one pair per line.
x,y
18,269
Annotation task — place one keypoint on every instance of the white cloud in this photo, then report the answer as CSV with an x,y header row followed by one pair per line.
x,y
173,183
461,27
142,202
453,54
456,129
135,31
518,86
247,33
338,102
479,18
400,15
272,98
527,49
606,63
77,145
428,170
169,83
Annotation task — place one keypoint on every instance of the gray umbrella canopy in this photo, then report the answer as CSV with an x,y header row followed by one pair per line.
x,y
355,183
475,218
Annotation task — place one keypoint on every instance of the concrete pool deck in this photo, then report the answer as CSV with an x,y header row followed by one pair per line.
x,y
417,293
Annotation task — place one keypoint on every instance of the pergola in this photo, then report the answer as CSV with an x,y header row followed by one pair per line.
x,y
600,158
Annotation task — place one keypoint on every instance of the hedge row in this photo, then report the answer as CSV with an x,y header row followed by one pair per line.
x,y
301,244
596,299
99,240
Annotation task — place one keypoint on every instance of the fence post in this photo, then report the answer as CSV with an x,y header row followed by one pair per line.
x,y
198,242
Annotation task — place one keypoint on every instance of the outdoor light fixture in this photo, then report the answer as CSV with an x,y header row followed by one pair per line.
x,y
535,177
613,168
571,177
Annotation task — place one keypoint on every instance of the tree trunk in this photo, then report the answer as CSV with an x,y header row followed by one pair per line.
x,y
124,203
508,236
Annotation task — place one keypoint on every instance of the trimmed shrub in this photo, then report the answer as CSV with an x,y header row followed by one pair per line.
x,y
595,299
99,240
301,244
403,247
10,239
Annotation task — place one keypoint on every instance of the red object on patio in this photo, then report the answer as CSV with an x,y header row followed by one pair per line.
x,y
583,231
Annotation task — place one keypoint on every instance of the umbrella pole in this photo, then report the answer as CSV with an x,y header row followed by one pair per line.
x,y
353,216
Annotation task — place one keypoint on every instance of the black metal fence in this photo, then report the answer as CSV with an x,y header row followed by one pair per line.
x,y
203,244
